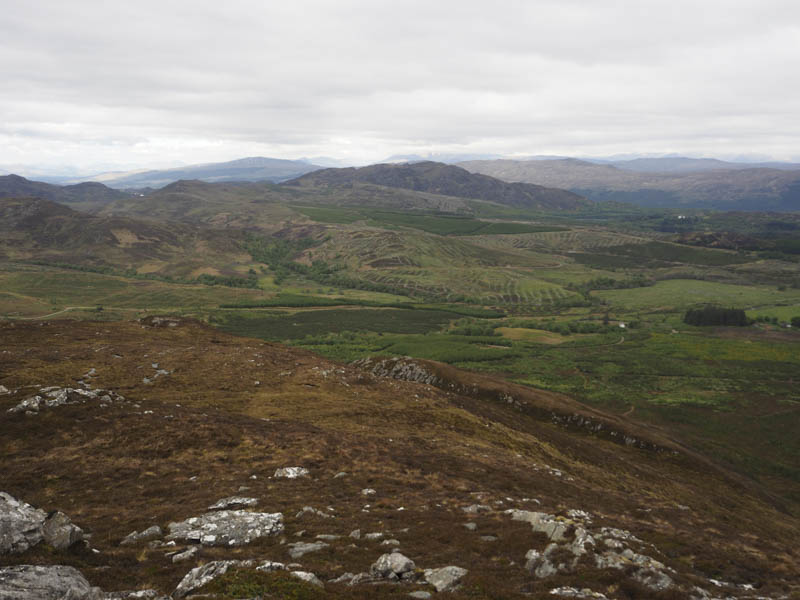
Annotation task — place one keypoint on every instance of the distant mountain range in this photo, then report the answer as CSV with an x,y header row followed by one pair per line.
x,y
443,157
446,180
244,169
539,183
664,182
682,164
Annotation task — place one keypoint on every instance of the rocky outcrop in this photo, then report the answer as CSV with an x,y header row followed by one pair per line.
x,y
136,595
571,539
310,510
200,576
151,533
23,526
553,528
405,369
290,472
29,582
298,549
233,502
308,578
226,528
51,397
582,594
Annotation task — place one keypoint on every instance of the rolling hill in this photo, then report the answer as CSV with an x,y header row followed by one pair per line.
x,y
37,229
446,180
720,189
81,194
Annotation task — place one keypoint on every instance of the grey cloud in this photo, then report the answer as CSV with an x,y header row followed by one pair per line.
x,y
186,81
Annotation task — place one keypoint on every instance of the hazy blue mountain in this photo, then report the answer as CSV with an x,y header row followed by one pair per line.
x,y
717,188
244,169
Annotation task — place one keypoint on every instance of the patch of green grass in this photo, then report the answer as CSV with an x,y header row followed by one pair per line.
x,y
677,294
249,583
298,325
782,313
441,224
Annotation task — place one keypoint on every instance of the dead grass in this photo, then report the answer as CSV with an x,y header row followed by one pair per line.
x,y
424,450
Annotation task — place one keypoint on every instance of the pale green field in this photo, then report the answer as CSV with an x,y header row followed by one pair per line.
x,y
677,294
782,313
38,291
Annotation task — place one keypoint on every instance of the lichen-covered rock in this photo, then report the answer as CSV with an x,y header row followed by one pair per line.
x,y
582,594
655,579
135,595
188,554
542,522
474,509
445,579
313,511
20,525
35,582
291,472
200,576
268,566
60,532
343,578
308,578
51,397
233,502
392,566
541,564
151,533
226,528
406,369
298,549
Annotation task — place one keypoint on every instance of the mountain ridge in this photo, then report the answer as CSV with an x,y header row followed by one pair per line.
x,y
15,186
448,180
253,168
718,189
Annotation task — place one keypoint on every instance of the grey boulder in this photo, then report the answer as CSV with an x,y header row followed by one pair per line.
x,y
200,576
299,549
226,528
308,578
60,532
445,579
290,472
20,525
234,502
392,566
151,533
29,582
23,526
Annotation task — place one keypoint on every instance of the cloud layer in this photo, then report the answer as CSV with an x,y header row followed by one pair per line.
x,y
152,83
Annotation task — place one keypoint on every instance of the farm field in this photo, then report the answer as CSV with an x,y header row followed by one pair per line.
x,y
678,294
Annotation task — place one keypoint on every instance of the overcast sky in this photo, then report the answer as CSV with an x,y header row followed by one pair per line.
x,y
98,84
